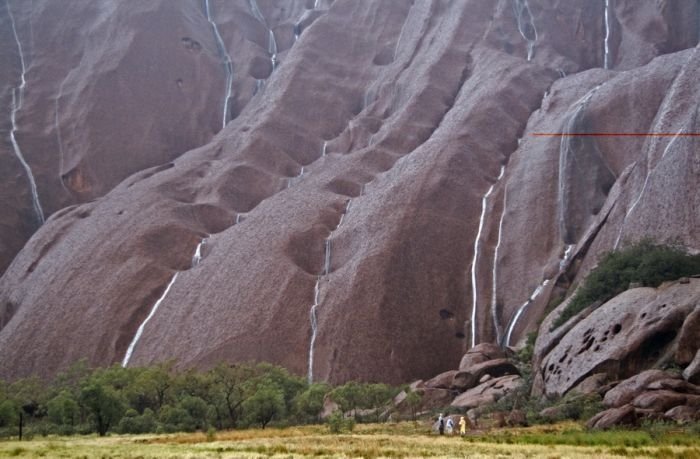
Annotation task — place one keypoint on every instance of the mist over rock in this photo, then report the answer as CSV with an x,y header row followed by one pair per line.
x,y
354,190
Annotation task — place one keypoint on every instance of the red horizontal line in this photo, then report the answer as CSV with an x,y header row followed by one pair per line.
x,y
615,134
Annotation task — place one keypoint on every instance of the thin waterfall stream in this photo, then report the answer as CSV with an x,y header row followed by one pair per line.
x,y
17,99
317,290
226,60
494,272
475,258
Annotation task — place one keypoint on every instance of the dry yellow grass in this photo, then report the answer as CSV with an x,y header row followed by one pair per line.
x,y
404,440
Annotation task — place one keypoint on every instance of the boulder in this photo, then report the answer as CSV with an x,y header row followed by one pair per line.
x,y
683,414
416,385
434,398
614,417
676,385
466,379
626,335
592,384
627,390
659,400
517,418
688,342
487,393
441,381
692,371
481,353
329,407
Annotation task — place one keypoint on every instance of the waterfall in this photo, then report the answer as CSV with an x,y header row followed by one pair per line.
x,y
228,64
521,309
650,171
317,4
139,332
566,138
271,41
327,261
17,99
317,290
240,217
526,25
475,259
296,177
567,254
272,48
606,58
314,328
197,257
494,280
324,148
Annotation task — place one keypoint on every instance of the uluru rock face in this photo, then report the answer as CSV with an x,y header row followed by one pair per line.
x,y
355,190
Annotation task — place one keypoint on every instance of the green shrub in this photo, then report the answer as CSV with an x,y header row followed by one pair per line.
x,y
645,262
337,423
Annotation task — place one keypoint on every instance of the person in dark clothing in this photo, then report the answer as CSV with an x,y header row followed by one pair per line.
x,y
441,425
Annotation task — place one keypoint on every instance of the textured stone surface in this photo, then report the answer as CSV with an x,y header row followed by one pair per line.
x,y
614,417
627,390
417,105
441,381
692,371
466,379
623,337
487,393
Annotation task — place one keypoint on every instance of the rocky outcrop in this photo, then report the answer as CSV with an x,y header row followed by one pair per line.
x,y
487,393
631,333
382,137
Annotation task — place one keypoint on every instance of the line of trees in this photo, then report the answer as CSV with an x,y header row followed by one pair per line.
x,y
158,399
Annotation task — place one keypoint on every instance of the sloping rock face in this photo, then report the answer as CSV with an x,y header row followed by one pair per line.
x,y
634,331
378,201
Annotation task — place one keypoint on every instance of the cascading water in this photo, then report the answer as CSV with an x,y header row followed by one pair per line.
x,y
526,25
314,328
494,280
324,149
564,147
650,171
475,258
292,179
271,41
139,332
521,309
228,64
17,99
197,257
606,50
317,290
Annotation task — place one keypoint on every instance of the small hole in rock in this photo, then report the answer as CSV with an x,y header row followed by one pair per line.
x,y
446,314
616,329
459,335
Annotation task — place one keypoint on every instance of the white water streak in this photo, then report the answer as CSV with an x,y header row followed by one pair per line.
x,y
17,99
494,274
650,171
521,309
606,59
317,288
226,58
324,149
139,332
475,259
197,257
521,8
314,328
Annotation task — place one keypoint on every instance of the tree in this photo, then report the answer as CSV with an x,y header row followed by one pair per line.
x,y
377,396
348,397
103,403
309,404
266,403
63,409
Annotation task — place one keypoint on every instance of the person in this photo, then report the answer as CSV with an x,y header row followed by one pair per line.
x,y
441,424
449,426
462,426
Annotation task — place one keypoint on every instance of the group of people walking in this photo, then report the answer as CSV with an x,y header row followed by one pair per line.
x,y
446,425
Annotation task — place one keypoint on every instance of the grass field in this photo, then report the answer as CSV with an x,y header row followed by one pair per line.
x,y
370,441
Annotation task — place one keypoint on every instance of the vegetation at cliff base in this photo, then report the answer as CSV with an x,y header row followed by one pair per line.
x,y
160,400
645,263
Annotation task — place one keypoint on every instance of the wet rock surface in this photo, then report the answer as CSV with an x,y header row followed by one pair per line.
x,y
377,138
